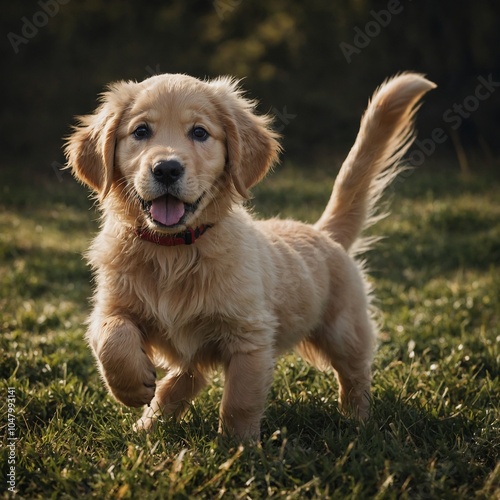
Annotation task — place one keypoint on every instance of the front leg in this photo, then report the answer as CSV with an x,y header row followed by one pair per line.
x,y
120,350
248,377
173,396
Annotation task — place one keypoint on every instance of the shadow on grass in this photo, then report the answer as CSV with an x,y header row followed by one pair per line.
x,y
418,446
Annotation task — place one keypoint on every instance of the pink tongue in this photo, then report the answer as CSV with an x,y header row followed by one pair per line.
x,y
167,210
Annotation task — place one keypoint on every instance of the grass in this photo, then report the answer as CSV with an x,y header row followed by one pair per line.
x,y
434,430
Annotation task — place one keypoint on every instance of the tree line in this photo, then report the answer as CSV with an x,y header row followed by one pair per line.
x,y
310,64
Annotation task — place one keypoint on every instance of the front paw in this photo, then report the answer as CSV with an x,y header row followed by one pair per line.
x,y
131,381
148,420
123,362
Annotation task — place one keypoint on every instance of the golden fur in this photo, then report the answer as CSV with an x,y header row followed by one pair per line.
x,y
246,291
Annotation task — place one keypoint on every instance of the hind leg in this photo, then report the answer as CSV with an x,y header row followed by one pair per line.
x,y
347,347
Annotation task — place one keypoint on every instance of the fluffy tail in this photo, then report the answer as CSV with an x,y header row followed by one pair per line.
x,y
386,132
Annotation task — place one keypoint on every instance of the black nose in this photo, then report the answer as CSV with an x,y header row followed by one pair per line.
x,y
168,171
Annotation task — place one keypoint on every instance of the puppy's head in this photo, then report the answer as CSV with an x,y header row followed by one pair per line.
x,y
172,151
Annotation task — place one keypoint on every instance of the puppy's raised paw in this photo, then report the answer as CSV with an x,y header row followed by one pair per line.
x,y
124,364
131,378
135,393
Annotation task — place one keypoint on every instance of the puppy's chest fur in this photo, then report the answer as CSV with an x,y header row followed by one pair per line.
x,y
188,306
192,300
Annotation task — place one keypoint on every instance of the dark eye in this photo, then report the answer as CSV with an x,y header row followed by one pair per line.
x,y
142,132
199,134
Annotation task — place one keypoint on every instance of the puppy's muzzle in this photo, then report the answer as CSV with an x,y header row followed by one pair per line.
x,y
168,172
166,207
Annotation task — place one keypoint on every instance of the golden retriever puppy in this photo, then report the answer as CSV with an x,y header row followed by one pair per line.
x,y
187,280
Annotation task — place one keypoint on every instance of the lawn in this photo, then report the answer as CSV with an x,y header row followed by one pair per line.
x,y
435,425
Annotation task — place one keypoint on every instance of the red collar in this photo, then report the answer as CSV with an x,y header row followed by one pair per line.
x,y
187,237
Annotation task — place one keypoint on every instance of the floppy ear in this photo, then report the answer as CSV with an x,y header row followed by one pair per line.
x,y
90,149
252,147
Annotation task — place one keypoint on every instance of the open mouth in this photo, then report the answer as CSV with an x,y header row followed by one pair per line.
x,y
169,211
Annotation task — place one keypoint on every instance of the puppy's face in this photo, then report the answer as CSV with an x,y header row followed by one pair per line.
x,y
171,148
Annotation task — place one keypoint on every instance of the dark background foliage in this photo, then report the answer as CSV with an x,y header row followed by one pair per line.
x,y
312,64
